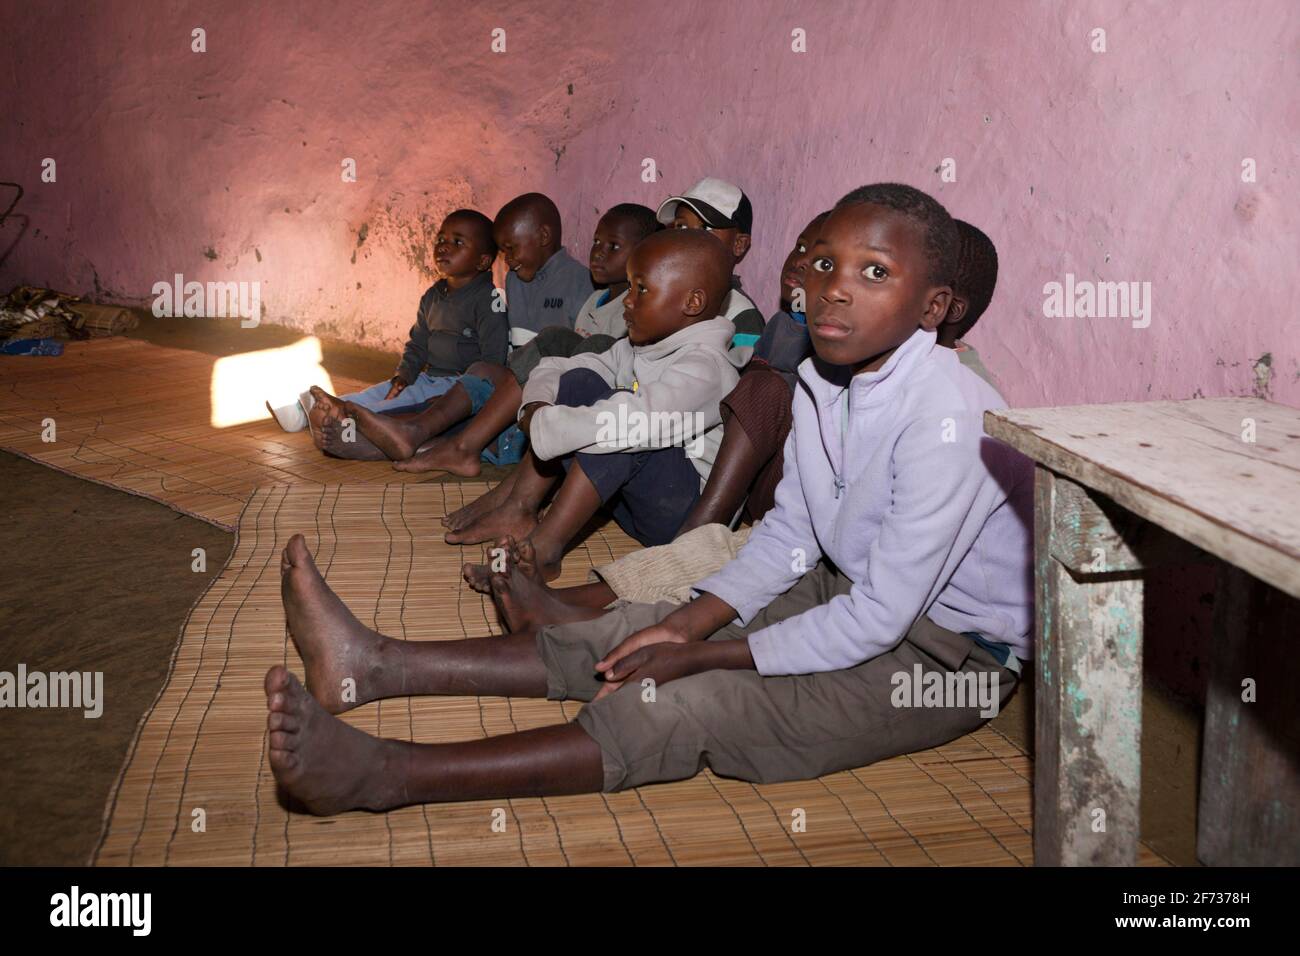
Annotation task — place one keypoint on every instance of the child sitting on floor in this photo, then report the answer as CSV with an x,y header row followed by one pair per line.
x,y
711,205
749,457
719,208
455,326
756,418
636,427
916,529
600,319
545,287
498,389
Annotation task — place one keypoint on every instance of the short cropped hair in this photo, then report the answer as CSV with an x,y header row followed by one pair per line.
x,y
642,217
976,273
940,234
482,225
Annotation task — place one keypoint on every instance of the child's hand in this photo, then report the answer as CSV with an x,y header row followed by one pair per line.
x,y
671,660
662,633
395,389
526,419
661,662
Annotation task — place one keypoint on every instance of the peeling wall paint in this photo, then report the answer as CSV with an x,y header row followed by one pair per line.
x,y
1117,166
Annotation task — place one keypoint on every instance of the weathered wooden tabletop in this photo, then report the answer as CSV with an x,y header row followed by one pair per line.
x,y
1221,473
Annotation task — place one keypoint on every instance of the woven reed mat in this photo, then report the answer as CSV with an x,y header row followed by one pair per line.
x,y
137,417
202,745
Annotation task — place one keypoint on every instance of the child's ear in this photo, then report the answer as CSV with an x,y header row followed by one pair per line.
x,y
936,307
740,246
695,302
956,310
546,236
485,262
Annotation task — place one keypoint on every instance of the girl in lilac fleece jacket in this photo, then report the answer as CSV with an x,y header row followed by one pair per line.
x,y
881,608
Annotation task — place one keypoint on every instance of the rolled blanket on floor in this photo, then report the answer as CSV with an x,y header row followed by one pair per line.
x,y
666,572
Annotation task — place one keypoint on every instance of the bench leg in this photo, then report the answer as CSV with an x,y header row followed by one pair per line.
x,y
1087,766
1249,811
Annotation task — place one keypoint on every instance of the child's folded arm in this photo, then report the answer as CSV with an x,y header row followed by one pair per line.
x,y
941,496
675,410
777,553
544,381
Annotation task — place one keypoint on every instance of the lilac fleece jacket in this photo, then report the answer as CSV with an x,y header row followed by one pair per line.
x,y
921,510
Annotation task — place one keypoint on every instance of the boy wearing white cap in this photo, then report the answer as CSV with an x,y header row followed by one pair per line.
x,y
723,209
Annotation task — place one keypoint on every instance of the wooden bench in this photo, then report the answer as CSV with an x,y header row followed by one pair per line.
x,y
1120,489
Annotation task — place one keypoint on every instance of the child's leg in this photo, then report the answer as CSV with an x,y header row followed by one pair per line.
x,y
757,415
768,729
771,729
330,766
423,389
459,453
325,421
522,597
400,437
336,647
516,514
651,491
484,503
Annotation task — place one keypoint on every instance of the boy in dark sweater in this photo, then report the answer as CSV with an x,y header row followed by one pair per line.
x,y
455,326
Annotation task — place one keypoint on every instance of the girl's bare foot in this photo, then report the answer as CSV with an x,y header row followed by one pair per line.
x,y
321,761
347,663
443,454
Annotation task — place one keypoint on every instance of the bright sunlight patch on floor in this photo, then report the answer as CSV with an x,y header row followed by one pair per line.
x,y
243,384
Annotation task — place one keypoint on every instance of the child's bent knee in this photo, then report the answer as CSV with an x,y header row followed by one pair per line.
x,y
581,386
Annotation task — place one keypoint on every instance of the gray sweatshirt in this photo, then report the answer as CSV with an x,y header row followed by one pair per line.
x,y
673,388
553,297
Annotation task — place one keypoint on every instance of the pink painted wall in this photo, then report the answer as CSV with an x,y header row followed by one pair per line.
x,y
1122,165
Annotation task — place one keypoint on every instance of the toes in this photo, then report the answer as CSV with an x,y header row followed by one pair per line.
x,y
283,760
279,720
277,679
299,554
283,740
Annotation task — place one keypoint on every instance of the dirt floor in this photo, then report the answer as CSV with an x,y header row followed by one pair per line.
x,y
101,581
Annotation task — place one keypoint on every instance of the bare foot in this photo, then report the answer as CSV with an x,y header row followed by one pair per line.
x,y
334,645
321,761
478,577
443,454
341,441
481,505
331,406
511,519
527,604
397,438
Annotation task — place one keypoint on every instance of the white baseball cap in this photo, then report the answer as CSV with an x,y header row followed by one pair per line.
x,y
719,203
